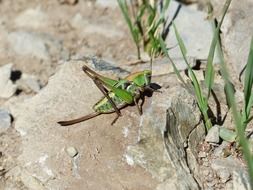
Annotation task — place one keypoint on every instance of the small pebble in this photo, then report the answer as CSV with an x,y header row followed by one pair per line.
x,y
5,120
69,2
202,154
224,175
72,151
213,135
219,151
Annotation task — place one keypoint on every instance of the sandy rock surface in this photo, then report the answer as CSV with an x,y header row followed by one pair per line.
x,y
40,84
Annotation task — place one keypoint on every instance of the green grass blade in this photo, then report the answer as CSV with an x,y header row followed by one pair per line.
x,y
124,10
183,51
152,14
166,5
239,120
165,51
239,123
134,31
248,81
181,43
202,101
140,13
209,76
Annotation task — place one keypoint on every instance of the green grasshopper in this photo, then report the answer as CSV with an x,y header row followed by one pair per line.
x,y
117,93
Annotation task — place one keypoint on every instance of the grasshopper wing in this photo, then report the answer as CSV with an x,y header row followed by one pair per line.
x,y
121,93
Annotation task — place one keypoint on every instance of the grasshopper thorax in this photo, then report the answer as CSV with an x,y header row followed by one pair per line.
x,y
141,79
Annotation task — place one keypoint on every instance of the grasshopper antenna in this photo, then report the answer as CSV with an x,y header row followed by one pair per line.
x,y
78,120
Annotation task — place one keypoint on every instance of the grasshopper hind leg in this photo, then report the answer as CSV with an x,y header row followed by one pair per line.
x,y
99,83
78,120
139,108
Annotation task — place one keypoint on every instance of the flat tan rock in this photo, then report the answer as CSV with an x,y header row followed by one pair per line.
x,y
100,163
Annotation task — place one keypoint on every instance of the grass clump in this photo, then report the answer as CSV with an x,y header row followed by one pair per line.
x,y
146,22
243,117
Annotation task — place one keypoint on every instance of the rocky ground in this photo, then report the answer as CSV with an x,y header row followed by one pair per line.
x,y
40,84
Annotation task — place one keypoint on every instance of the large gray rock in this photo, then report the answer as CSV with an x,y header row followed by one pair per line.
x,y
24,43
195,30
168,126
163,141
42,46
236,33
156,141
5,120
99,164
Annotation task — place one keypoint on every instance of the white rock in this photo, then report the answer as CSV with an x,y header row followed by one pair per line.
x,y
42,46
202,154
72,151
240,181
33,18
195,30
25,43
213,135
129,160
5,73
107,3
93,28
237,33
5,120
6,85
